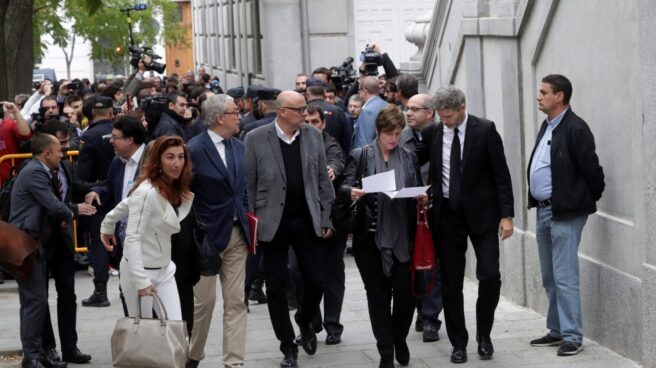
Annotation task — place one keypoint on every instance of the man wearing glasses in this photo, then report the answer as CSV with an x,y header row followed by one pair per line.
x,y
290,192
220,204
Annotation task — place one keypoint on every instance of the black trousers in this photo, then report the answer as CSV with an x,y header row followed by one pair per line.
x,y
452,234
334,282
99,257
33,298
332,254
390,324
62,267
298,233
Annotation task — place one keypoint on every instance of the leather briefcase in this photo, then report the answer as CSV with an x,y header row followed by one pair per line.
x,y
17,251
149,343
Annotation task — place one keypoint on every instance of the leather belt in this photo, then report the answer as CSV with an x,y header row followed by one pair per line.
x,y
545,203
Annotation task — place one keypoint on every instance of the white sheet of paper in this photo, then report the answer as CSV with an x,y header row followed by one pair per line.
x,y
410,192
383,182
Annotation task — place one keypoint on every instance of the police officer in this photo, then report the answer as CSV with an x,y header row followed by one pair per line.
x,y
239,96
250,115
336,124
96,153
266,105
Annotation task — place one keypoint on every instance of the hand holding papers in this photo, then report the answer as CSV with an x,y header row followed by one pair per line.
x,y
383,182
411,192
386,183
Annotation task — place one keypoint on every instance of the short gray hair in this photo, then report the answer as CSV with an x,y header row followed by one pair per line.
x,y
448,97
213,106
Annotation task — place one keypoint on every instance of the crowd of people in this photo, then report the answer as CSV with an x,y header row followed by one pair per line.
x,y
169,172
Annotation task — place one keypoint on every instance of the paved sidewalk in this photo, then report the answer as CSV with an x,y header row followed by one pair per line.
x,y
513,328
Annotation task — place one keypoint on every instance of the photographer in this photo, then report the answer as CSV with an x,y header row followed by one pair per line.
x,y
31,106
12,132
384,61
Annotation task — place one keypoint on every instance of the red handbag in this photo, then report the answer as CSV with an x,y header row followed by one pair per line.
x,y
423,255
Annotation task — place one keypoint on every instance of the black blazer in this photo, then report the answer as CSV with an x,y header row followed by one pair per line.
x,y
486,188
75,191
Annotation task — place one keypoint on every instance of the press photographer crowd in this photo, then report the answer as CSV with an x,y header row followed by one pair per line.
x,y
179,186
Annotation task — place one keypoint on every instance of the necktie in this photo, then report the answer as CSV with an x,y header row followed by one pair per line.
x,y
230,165
56,181
455,173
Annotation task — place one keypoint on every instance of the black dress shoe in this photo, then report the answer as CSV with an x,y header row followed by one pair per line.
x,y
257,295
308,339
52,360
419,323
485,348
430,334
333,339
34,363
191,363
402,352
290,360
75,356
459,355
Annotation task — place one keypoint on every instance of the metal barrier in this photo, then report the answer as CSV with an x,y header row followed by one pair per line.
x,y
22,156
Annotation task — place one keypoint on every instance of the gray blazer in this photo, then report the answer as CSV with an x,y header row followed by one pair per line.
x,y
33,197
266,180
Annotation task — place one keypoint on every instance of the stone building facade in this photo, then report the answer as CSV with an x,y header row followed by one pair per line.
x,y
498,51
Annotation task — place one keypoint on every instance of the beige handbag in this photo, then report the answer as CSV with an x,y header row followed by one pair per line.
x,y
149,343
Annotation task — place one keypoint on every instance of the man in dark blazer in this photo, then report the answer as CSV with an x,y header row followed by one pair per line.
x,y
290,192
220,203
336,124
128,139
472,198
61,260
35,209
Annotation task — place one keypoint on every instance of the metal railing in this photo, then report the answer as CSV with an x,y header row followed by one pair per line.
x,y
22,156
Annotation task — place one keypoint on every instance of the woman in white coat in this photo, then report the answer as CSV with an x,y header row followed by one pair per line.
x,y
159,200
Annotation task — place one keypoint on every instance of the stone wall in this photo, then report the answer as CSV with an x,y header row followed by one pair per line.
x,y
498,51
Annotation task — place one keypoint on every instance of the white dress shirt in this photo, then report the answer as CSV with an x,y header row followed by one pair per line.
x,y
219,144
283,136
131,166
447,140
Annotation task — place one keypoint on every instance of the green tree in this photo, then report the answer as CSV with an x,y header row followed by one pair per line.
x,y
101,22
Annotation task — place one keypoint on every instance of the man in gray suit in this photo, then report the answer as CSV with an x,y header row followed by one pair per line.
x,y
33,198
290,192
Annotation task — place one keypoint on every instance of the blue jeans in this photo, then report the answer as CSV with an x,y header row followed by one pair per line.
x,y
558,244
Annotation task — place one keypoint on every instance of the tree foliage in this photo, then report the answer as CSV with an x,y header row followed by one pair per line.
x,y
105,27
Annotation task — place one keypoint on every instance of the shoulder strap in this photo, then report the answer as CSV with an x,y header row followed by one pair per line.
x,y
362,163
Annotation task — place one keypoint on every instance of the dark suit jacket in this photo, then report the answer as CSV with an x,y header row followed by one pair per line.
x,y
33,199
219,196
336,124
110,190
76,189
486,185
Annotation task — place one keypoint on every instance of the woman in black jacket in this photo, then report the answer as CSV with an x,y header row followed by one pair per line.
x,y
383,241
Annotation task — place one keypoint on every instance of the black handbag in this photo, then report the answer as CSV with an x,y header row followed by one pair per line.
x,y
208,259
344,212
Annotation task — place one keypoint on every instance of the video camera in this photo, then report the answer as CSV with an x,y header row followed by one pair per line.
x,y
147,57
371,60
38,119
344,75
153,107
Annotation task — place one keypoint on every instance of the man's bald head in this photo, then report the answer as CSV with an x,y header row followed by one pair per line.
x,y
421,100
291,108
420,113
285,98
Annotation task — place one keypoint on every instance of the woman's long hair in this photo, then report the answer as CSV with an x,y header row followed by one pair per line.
x,y
177,190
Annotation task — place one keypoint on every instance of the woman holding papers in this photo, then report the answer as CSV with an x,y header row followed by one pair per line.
x,y
382,245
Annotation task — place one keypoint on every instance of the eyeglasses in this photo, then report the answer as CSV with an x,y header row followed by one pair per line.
x,y
231,113
115,138
416,109
299,110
